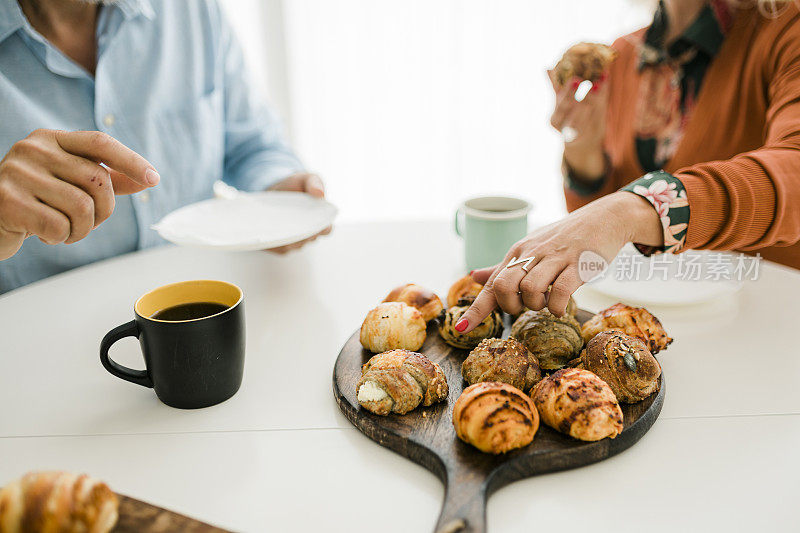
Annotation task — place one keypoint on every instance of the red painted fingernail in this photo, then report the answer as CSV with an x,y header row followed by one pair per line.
x,y
462,324
470,272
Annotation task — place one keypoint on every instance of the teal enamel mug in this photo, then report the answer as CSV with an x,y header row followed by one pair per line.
x,y
489,226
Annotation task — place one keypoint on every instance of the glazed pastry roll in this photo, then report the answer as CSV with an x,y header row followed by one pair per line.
x,y
634,321
57,502
624,363
504,360
464,289
492,326
578,403
398,381
587,61
428,304
393,326
553,340
495,417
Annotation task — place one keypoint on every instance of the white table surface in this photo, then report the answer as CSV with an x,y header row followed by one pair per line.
x,y
279,456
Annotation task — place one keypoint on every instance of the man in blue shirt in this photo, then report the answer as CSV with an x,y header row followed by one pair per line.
x,y
113,114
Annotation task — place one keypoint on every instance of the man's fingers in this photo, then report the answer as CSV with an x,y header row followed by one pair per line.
x,y
26,215
103,148
70,200
482,275
563,287
123,185
314,186
90,177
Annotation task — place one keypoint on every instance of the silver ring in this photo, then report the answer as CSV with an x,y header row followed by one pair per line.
x,y
526,260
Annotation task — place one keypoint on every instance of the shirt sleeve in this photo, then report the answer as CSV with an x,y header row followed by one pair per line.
x,y
750,201
257,154
667,195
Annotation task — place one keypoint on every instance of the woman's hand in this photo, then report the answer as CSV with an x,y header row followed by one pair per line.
x,y
52,185
587,120
602,227
309,184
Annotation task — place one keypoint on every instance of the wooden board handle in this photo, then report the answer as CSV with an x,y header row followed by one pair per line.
x,y
464,508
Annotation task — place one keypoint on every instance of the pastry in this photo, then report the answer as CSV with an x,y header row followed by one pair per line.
x,y
398,381
553,340
587,61
624,362
635,321
492,326
572,308
426,301
495,417
57,502
393,326
506,361
578,403
466,288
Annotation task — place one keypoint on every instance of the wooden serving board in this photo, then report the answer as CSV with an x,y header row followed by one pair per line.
x,y
136,516
426,436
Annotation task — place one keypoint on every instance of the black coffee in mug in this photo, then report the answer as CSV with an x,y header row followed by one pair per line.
x,y
192,337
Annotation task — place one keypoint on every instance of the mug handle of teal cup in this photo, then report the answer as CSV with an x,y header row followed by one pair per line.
x,y
140,377
457,223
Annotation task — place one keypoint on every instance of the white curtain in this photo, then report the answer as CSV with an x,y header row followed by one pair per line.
x,y
407,107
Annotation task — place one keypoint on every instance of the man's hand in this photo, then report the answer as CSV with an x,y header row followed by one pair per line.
x,y
307,183
52,185
602,226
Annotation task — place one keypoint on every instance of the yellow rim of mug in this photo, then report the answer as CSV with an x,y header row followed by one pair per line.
x,y
469,207
184,292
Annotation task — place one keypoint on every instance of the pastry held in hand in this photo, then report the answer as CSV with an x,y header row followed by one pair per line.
x,y
504,360
398,381
635,321
419,297
464,289
492,326
578,403
587,61
495,417
393,326
553,340
624,363
57,502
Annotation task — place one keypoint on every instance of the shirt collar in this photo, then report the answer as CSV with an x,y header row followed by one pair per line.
x,y
12,18
704,35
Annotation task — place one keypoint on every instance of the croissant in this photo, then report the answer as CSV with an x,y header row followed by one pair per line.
x,y
393,326
398,381
424,300
578,403
495,417
465,288
586,61
506,361
635,321
553,340
492,326
624,363
57,502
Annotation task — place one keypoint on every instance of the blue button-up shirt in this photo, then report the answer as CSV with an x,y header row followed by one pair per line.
x,y
170,83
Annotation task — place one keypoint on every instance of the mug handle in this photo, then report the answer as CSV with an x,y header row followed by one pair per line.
x,y
140,377
457,223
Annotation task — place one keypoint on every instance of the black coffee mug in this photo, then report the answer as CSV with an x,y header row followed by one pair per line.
x,y
191,360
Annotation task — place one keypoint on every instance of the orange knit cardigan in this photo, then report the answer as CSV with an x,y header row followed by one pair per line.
x,y
739,158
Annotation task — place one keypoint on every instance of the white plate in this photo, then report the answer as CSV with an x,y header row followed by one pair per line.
x,y
248,221
678,289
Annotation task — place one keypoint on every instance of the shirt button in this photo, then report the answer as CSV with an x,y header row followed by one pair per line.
x,y
144,197
108,120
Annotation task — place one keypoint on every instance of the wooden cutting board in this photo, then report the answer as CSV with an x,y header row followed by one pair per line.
x,y
140,517
426,436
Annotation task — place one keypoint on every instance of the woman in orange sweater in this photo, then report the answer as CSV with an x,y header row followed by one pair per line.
x,y
692,140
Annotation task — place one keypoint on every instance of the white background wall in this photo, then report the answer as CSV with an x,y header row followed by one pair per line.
x,y
406,107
